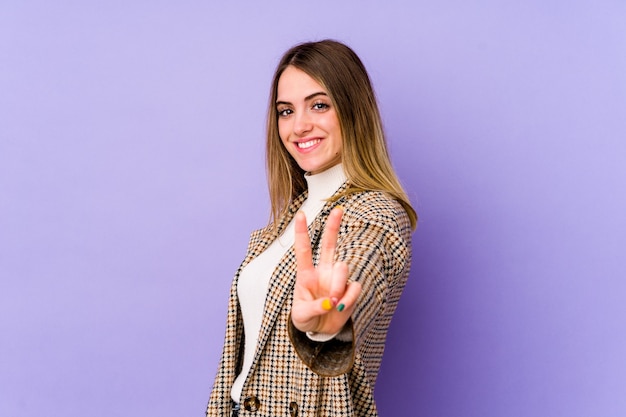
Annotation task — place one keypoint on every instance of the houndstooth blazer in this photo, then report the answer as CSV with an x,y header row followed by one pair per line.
x,y
290,374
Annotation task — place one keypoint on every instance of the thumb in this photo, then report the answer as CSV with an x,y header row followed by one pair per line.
x,y
306,315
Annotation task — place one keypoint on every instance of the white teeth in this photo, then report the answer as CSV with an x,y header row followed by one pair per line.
x,y
304,145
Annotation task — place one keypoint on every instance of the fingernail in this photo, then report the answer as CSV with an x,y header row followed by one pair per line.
x,y
340,207
334,301
340,307
326,305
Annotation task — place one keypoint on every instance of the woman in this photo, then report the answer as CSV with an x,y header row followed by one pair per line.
x,y
308,315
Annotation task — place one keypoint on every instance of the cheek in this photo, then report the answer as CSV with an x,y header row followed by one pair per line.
x,y
336,132
332,126
283,130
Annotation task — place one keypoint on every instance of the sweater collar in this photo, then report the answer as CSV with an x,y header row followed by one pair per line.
x,y
323,185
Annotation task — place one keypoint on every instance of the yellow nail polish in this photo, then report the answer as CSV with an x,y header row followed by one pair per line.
x,y
326,304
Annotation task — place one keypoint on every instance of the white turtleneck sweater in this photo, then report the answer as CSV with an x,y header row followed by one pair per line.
x,y
254,279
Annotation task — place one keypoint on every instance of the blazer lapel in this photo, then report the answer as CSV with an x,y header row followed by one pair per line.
x,y
260,239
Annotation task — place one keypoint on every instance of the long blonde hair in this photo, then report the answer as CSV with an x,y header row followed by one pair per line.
x,y
364,151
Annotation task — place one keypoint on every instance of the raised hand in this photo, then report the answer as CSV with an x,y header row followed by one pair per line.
x,y
323,298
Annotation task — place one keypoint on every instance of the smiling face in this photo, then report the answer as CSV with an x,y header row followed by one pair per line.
x,y
307,121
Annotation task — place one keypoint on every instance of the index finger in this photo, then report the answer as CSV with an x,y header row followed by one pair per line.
x,y
302,244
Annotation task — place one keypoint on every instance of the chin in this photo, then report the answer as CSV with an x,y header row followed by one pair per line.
x,y
315,166
310,167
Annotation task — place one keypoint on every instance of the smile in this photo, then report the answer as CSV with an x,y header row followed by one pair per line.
x,y
308,144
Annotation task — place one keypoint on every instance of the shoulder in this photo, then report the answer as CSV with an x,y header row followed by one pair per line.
x,y
376,223
377,207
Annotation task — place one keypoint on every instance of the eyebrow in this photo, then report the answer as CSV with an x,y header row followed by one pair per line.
x,y
307,98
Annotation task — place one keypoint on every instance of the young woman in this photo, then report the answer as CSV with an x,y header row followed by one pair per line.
x,y
308,315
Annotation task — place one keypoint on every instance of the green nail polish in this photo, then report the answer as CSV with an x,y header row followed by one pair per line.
x,y
340,307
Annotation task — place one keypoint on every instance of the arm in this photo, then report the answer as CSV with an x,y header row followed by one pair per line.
x,y
371,253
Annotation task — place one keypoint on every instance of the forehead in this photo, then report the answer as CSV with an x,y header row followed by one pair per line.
x,y
296,84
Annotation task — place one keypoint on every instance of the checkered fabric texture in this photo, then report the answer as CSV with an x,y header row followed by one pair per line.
x,y
375,241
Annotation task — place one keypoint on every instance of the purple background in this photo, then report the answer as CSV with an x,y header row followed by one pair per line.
x,y
131,174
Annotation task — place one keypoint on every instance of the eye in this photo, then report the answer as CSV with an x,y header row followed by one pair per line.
x,y
284,112
320,106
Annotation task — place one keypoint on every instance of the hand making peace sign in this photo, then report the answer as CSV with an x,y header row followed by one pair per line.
x,y
323,298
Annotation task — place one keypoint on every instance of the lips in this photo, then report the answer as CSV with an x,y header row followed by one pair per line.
x,y
308,144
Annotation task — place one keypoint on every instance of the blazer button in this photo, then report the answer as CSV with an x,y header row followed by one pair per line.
x,y
251,403
293,409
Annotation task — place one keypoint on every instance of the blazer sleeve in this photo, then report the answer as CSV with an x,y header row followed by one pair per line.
x,y
376,246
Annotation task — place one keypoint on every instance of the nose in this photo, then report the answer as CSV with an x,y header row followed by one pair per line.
x,y
302,123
